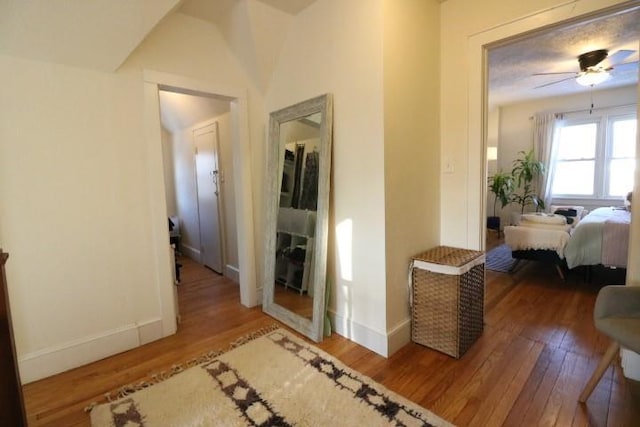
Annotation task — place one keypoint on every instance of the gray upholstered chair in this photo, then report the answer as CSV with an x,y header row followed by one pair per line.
x,y
617,315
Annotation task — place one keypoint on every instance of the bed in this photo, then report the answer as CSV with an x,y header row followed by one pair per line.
x,y
600,238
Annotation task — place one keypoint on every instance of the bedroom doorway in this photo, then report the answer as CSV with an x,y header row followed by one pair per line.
x,y
506,131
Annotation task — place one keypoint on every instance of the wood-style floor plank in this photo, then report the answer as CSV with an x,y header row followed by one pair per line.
x,y
538,349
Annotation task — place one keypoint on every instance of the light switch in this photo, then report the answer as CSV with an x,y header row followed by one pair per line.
x,y
448,165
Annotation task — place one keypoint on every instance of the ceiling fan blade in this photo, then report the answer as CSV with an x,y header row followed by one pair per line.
x,y
552,83
624,67
617,58
549,74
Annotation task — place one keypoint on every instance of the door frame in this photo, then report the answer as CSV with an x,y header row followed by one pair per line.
x,y
478,48
153,82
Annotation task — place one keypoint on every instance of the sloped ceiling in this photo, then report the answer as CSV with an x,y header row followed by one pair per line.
x,y
255,29
180,111
512,66
97,34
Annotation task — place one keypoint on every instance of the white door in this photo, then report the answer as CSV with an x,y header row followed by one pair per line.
x,y
207,180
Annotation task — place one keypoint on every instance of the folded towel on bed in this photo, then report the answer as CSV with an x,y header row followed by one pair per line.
x,y
544,218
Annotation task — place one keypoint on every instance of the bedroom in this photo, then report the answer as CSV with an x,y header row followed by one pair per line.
x,y
530,85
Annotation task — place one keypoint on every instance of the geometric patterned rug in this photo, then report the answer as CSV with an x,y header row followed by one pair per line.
x,y
499,259
273,379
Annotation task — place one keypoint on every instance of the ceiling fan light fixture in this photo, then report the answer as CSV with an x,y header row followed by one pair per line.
x,y
592,77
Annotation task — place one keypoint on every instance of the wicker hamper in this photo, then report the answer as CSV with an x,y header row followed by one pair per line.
x,y
447,299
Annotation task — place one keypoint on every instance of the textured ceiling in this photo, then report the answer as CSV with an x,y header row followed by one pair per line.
x,y
511,67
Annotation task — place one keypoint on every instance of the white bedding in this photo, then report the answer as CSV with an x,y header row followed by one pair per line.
x,y
601,237
586,244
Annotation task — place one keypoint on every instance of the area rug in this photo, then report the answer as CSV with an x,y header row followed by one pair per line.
x,y
499,259
275,379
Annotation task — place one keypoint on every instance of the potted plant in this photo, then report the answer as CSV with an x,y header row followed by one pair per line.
x,y
525,172
501,185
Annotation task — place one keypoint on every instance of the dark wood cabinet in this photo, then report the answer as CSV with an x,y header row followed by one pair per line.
x,y
11,403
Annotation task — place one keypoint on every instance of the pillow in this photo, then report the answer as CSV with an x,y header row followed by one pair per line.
x,y
580,211
570,214
545,218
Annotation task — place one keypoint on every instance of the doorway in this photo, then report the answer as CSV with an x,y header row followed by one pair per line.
x,y
542,64
242,203
196,161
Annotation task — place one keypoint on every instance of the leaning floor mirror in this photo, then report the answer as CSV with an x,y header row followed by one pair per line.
x,y
297,189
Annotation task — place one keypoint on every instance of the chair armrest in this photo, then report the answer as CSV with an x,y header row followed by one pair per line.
x,y
618,301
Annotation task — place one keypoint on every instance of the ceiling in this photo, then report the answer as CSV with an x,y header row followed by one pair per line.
x,y
511,66
180,111
98,34
211,11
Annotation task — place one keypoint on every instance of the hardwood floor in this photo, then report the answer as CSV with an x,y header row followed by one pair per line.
x,y
538,349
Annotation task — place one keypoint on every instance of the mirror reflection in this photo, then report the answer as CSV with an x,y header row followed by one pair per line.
x,y
297,212
296,220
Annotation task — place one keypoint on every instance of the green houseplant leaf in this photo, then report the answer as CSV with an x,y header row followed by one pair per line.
x,y
525,172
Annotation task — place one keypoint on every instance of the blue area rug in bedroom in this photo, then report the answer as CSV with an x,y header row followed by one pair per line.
x,y
499,259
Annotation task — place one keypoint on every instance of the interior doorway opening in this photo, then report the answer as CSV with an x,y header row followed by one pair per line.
x,y
597,29
199,187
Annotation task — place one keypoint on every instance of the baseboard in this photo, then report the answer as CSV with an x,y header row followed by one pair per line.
x,y
399,336
190,252
53,360
373,340
232,273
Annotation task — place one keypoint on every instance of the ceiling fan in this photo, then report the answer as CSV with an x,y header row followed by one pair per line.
x,y
592,70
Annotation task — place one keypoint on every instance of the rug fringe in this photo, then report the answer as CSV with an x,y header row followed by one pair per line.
x,y
158,377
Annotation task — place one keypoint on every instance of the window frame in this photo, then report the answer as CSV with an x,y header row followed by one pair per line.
x,y
603,119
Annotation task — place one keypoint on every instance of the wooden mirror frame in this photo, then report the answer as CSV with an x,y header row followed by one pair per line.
x,y
312,328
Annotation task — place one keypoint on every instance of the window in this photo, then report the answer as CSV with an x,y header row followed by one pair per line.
x,y
595,155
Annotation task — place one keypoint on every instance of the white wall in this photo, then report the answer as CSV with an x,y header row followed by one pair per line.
x,y
169,181
74,215
76,179
411,148
516,126
186,192
336,46
187,196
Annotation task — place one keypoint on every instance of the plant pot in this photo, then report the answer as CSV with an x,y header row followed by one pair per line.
x,y
493,223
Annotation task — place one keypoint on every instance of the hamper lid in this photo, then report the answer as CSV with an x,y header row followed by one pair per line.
x,y
446,255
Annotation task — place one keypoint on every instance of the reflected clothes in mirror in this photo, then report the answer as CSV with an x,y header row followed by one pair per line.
x,y
309,198
296,232
297,174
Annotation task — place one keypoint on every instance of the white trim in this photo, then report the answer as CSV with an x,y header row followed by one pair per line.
x,y
190,252
399,336
233,273
360,334
59,358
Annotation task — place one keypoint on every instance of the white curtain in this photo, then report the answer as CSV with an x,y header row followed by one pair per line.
x,y
545,126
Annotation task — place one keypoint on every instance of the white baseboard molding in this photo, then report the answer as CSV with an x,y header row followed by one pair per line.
x,y
373,340
53,360
232,272
190,252
399,336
